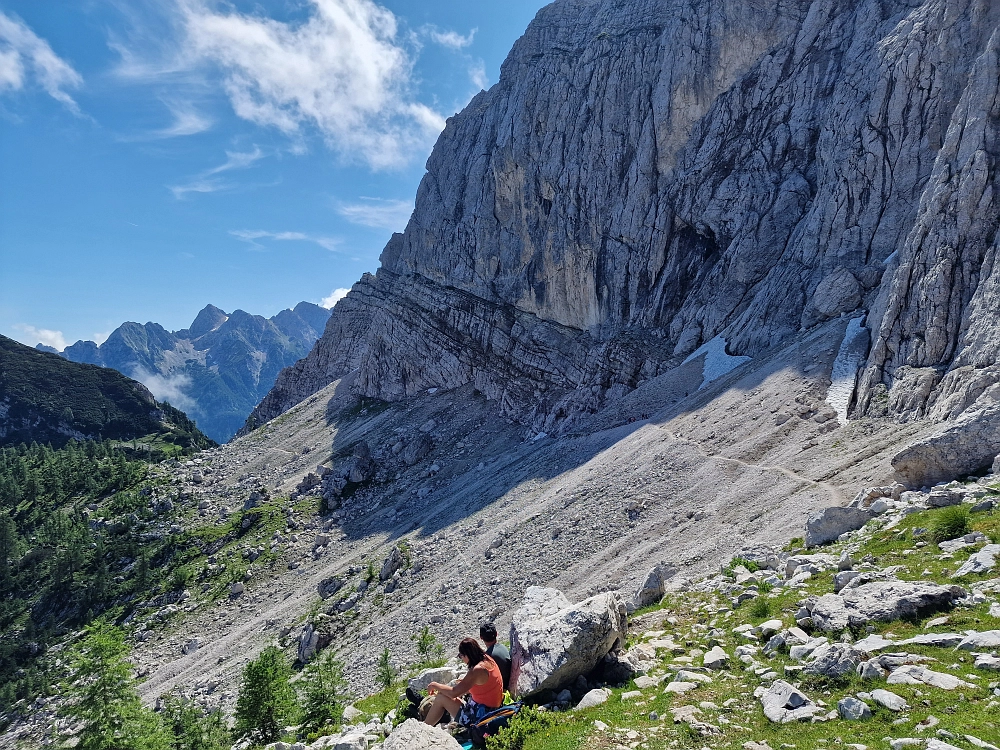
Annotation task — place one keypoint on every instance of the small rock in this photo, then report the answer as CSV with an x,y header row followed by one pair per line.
x,y
594,698
889,700
851,709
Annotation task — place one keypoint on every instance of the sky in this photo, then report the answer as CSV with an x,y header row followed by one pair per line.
x,y
160,155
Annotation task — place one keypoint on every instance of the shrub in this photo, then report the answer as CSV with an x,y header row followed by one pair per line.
x,y
750,565
760,608
950,523
266,703
528,721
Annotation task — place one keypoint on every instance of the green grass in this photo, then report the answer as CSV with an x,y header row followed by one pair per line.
x,y
962,711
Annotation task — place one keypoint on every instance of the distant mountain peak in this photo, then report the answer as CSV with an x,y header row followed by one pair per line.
x,y
208,320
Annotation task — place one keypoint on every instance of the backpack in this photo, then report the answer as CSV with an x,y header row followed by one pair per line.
x,y
492,722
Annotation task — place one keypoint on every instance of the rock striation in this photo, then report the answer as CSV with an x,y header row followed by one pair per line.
x,y
649,177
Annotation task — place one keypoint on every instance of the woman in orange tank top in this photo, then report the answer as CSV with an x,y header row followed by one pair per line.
x,y
483,684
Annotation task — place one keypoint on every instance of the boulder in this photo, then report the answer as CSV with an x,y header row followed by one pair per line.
x,y
828,524
982,561
716,658
783,704
391,564
880,601
837,293
415,735
914,674
996,466
552,644
418,449
851,709
985,641
964,446
835,662
943,498
889,700
329,586
362,465
308,642
353,740
654,587
594,698
444,675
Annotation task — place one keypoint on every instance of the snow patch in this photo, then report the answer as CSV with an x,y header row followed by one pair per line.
x,y
717,361
847,365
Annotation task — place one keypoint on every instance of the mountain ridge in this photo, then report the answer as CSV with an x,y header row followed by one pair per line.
x,y
218,368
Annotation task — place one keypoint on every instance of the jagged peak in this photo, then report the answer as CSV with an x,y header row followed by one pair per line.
x,y
209,319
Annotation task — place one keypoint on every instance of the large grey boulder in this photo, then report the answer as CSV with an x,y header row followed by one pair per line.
x,y
391,564
828,524
851,709
783,704
960,448
654,586
985,641
308,643
880,601
443,675
835,662
982,561
415,735
553,642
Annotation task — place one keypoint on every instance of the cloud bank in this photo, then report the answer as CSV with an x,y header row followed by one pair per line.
x,y
25,57
55,339
343,72
168,388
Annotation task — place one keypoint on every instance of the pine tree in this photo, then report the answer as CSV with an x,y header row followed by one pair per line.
x,y
322,688
103,697
266,703
191,728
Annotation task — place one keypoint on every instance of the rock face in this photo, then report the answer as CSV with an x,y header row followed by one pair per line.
x,y
966,446
648,177
553,641
415,735
881,601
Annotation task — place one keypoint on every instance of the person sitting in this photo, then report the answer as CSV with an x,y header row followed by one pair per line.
x,y
483,683
499,652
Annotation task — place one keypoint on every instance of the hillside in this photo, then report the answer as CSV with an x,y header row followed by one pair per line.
x,y
45,399
218,369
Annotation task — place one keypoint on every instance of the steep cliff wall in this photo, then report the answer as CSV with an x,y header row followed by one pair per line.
x,y
649,176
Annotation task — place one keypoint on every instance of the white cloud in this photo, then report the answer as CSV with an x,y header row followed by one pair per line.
x,y
378,213
335,296
450,39
167,388
207,182
342,71
477,74
100,337
252,235
24,55
32,336
187,121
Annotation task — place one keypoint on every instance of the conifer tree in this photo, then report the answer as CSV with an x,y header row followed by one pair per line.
x,y
267,702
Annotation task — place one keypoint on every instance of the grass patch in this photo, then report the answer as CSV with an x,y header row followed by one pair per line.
x,y
951,523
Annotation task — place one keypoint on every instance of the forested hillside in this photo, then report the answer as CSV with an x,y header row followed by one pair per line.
x,y
46,399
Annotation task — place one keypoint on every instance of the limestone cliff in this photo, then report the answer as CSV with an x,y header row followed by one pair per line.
x,y
649,176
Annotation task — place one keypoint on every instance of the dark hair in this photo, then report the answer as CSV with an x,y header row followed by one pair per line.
x,y
470,648
488,632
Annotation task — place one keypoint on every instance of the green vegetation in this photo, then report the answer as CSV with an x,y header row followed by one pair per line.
x,y
103,698
322,689
529,721
951,523
190,728
385,672
429,648
50,399
760,608
737,562
266,703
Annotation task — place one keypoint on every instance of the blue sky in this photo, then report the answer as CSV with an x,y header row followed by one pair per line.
x,y
160,155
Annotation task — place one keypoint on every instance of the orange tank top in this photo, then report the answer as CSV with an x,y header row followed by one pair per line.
x,y
489,694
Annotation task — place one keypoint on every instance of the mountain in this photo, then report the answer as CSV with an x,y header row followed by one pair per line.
x,y
218,369
653,180
45,399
